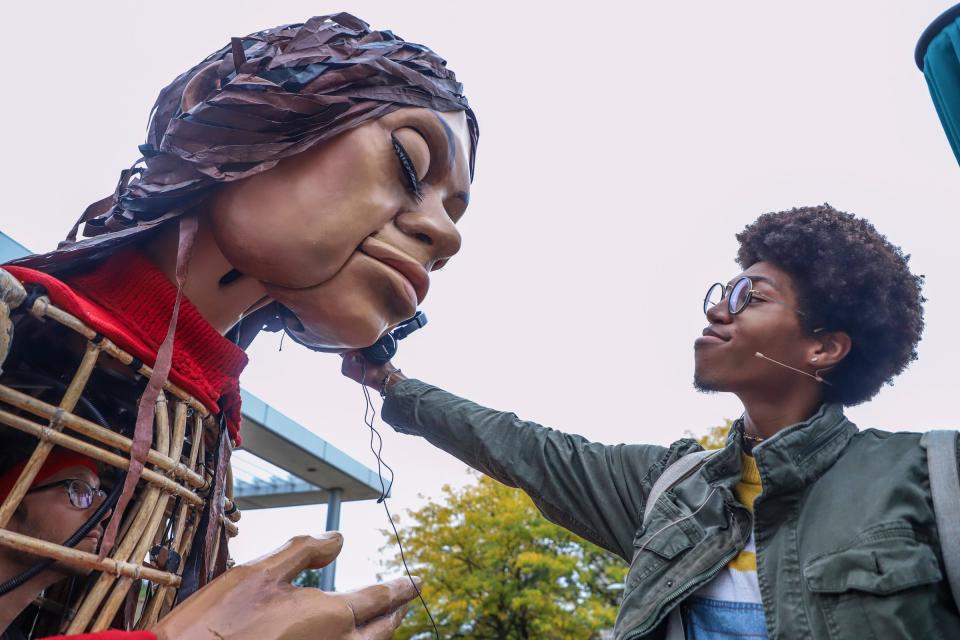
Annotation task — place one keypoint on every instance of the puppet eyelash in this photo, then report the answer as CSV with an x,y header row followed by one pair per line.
x,y
407,169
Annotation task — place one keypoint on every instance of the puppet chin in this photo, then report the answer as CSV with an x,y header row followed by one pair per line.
x,y
322,338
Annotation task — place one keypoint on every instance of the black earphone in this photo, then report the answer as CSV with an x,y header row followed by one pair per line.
x,y
385,348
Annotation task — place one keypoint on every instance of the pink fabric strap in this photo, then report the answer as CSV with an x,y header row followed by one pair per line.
x,y
143,432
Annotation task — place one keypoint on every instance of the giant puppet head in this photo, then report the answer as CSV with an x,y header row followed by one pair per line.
x,y
306,177
327,164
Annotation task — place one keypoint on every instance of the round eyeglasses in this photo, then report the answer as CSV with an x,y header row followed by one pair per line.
x,y
738,295
81,494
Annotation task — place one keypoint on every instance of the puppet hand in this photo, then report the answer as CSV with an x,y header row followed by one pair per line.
x,y
365,372
257,602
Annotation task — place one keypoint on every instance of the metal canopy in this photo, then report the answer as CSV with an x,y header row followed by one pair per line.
x,y
277,492
317,465
10,249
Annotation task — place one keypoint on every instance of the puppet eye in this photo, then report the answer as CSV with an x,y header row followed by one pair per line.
x,y
408,170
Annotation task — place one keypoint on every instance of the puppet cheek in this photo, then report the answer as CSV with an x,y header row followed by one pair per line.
x,y
351,310
297,224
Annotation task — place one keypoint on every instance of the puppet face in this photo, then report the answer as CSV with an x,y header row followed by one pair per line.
x,y
345,235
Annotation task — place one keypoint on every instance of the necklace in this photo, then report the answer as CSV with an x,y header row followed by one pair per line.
x,y
755,439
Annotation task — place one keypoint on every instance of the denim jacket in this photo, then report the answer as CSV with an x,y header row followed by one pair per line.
x,y
847,544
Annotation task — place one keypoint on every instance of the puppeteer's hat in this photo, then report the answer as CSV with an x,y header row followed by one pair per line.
x,y
938,56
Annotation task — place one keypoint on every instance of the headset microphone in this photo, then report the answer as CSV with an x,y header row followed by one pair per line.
x,y
385,348
809,375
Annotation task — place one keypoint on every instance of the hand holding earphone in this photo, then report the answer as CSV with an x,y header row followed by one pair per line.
x,y
371,366
380,377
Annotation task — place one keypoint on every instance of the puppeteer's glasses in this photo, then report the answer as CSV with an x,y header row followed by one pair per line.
x,y
738,295
81,494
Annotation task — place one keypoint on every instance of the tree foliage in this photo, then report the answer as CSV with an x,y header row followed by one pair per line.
x,y
716,437
308,578
494,567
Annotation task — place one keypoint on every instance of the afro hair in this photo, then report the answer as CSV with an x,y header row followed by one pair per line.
x,y
849,278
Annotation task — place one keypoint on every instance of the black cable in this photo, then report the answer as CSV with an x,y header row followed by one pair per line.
x,y
21,381
369,416
66,606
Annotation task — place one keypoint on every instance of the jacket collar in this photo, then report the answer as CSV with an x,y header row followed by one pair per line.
x,y
793,458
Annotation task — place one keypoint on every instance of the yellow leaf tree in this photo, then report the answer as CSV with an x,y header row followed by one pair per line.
x,y
494,567
716,437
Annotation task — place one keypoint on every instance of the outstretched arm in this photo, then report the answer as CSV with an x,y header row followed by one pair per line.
x,y
597,491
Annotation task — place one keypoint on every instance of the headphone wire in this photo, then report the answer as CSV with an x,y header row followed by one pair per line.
x,y
369,416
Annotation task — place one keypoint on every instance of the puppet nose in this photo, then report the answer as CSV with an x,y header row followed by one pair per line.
x,y
432,228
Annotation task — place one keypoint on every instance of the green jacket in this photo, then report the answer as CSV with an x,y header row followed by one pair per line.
x,y
845,533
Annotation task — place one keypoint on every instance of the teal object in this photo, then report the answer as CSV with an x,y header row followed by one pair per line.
x,y
938,56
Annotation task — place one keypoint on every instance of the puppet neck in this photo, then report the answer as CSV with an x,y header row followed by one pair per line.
x,y
221,294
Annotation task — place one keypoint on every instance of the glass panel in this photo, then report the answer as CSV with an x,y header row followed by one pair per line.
x,y
81,494
740,295
713,297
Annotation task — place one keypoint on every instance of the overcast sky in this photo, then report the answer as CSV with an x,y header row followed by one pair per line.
x,y
621,148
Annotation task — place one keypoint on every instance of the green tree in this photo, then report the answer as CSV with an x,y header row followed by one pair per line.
x,y
494,567
308,578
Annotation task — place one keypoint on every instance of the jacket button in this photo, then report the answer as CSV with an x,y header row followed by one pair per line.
x,y
669,584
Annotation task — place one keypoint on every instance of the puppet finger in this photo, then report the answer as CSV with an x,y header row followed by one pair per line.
x,y
301,552
380,599
383,627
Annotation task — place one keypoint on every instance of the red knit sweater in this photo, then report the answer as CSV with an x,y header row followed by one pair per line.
x,y
129,300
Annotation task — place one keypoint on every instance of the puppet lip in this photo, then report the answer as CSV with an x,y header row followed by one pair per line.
x,y
410,269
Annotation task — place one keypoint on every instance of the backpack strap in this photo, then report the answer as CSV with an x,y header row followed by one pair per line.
x,y
942,466
672,475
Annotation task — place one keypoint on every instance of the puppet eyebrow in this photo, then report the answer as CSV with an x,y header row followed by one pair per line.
x,y
451,147
463,197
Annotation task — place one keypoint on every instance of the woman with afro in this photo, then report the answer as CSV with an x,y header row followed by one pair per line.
x,y
803,525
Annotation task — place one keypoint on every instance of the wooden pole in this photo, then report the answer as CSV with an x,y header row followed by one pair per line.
x,y
96,432
77,558
126,546
95,452
40,453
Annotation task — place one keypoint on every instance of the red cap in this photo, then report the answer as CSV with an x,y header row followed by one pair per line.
x,y
58,460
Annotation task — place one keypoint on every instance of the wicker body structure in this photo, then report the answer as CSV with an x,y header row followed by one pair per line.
x,y
165,519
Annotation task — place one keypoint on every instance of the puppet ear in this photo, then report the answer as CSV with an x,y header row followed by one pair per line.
x,y
200,86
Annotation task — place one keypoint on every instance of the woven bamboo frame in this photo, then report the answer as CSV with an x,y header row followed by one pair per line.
x,y
168,473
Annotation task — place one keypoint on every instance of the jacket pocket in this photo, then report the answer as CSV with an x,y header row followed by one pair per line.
x,y
883,586
670,530
668,534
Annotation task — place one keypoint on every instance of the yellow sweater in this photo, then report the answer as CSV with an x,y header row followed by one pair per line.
x,y
747,491
738,582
